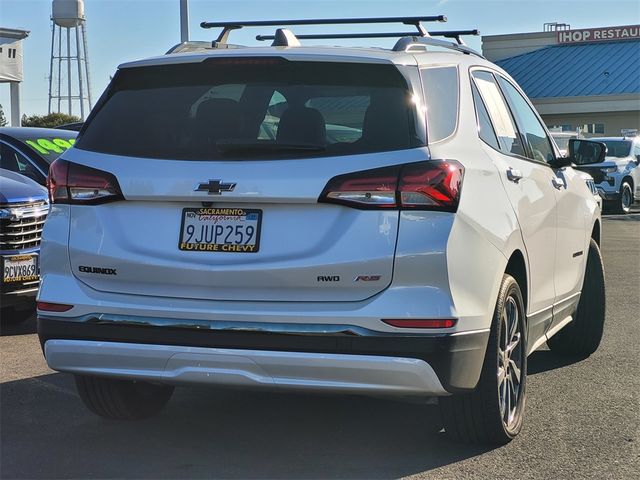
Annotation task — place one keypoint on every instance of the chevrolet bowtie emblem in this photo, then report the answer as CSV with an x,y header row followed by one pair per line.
x,y
215,187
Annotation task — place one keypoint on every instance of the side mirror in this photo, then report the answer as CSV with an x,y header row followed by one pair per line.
x,y
586,152
637,159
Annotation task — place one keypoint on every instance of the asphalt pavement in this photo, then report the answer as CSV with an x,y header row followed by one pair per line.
x,y
582,417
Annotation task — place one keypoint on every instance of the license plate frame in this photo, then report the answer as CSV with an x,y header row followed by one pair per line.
x,y
34,257
221,212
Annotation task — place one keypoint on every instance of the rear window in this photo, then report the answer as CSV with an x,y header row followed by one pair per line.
x,y
246,108
48,146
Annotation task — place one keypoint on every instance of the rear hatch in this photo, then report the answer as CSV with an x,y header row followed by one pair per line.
x,y
221,164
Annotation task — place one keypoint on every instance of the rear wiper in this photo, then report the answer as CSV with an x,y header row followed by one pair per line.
x,y
225,147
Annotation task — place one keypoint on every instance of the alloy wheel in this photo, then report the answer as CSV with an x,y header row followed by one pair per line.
x,y
510,359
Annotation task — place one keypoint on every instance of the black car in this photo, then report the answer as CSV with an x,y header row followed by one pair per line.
x,y
29,151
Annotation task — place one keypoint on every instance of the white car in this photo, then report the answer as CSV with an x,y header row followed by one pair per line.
x,y
427,257
617,177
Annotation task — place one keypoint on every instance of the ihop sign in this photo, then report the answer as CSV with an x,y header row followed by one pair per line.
x,y
629,32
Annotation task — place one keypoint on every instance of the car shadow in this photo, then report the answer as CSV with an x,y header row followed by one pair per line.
x,y
545,360
205,432
8,329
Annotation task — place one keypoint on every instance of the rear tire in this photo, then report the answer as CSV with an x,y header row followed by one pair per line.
x,y
582,336
493,412
122,399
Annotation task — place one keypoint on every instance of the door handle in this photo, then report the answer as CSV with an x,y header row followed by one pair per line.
x,y
558,183
514,175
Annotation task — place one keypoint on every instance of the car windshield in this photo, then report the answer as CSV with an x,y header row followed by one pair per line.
x,y
617,148
49,147
236,108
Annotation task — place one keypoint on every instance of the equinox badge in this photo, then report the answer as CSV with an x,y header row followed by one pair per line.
x,y
215,187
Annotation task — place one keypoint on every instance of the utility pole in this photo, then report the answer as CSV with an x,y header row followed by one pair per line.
x,y
184,20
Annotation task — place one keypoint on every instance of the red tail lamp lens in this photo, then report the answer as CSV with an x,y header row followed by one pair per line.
x,y
78,184
430,185
421,323
53,307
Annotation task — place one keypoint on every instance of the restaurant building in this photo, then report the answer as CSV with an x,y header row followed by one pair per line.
x,y
586,79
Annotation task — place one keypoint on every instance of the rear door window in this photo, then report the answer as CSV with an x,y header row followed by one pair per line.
x,y
441,98
253,108
540,148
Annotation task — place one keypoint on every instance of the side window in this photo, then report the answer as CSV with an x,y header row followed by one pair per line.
x,y
530,126
269,125
441,96
11,159
485,129
505,127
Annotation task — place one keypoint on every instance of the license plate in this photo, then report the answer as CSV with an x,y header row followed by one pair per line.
x,y
20,268
209,229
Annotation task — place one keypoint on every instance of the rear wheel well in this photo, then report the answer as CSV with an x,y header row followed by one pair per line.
x,y
595,233
629,180
517,268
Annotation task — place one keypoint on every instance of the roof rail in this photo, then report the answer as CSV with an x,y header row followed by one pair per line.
x,y
227,27
406,44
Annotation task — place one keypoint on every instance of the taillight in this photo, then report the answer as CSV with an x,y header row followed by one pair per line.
x,y
431,185
78,184
421,323
53,307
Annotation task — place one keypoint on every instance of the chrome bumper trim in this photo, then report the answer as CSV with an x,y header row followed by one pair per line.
x,y
240,326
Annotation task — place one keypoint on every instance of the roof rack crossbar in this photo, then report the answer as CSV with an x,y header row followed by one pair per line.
x,y
227,27
455,34
329,36
325,21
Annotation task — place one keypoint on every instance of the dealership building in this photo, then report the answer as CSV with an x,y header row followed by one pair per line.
x,y
587,79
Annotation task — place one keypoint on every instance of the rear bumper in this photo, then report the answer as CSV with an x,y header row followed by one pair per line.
x,y
310,356
245,368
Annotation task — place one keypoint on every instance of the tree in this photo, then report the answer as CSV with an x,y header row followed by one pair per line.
x,y
3,121
48,121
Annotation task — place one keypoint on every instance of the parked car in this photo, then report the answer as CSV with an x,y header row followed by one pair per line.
x,y
426,256
30,151
562,140
617,177
23,209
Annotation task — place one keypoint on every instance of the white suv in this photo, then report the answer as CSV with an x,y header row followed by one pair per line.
x,y
384,222
617,177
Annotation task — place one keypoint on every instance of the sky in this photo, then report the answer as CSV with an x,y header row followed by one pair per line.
x,y
122,30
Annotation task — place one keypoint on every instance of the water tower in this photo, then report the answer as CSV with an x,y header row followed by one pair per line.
x,y
69,80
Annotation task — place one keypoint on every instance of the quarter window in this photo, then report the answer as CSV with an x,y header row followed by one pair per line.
x,y
441,96
530,125
504,126
485,129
